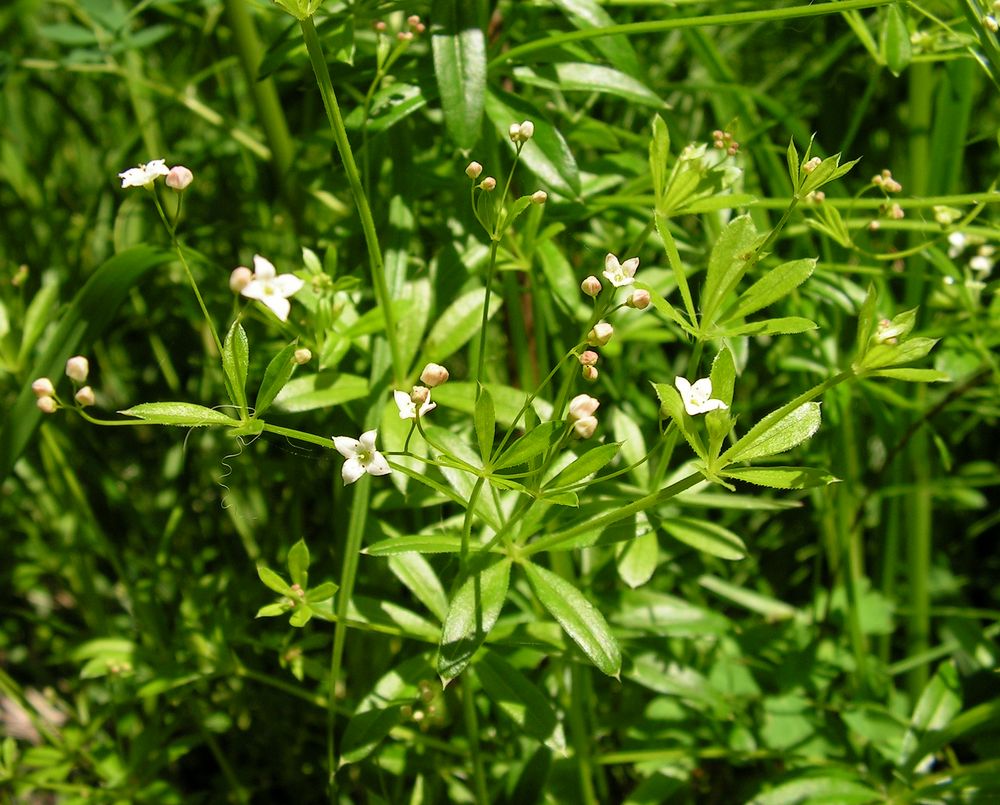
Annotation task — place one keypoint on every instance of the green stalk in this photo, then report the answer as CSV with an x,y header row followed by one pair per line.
x,y
336,121
472,729
481,357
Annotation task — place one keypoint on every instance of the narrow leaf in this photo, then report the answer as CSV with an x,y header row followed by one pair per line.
x,y
486,424
278,371
459,49
781,477
726,264
775,284
533,443
783,435
416,543
298,564
520,699
235,361
707,537
187,415
420,579
273,581
322,390
587,464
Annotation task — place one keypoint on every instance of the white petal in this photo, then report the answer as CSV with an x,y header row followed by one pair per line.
x,y
367,440
346,446
263,268
611,265
630,266
255,289
353,469
378,465
703,408
427,406
288,284
683,387
702,389
156,167
278,304
407,410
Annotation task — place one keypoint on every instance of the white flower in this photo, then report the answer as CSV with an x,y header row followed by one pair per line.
x,y
272,290
620,274
956,244
582,406
145,174
361,456
408,407
698,397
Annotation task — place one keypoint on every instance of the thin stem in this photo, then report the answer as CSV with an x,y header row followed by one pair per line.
x,y
336,121
481,357
472,731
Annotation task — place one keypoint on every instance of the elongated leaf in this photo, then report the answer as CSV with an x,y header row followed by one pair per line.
x,y
637,559
910,375
939,702
659,153
473,611
578,617
822,786
585,77
770,608
775,284
664,306
37,317
298,564
587,464
533,443
589,14
783,435
486,424
416,543
459,49
726,264
507,401
459,322
783,326
723,376
89,313
183,414
273,581
981,717
896,48
520,699
278,371
709,538
781,477
322,390
235,362
421,580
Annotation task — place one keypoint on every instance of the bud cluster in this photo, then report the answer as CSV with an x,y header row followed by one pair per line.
x,y
581,415
724,141
885,181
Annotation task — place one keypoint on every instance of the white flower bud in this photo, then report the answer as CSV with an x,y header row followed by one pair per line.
x,y
47,405
589,358
413,20
811,165
589,373
473,170
77,368
896,212
302,356
539,197
43,387
179,177
591,286
433,375
240,279
585,427
527,130
514,132
600,334
639,300
405,36
991,22
420,395
582,405
85,396
488,184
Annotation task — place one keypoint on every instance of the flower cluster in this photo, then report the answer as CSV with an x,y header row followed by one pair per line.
x,y
266,286
697,396
885,181
178,177
77,370
581,415
724,141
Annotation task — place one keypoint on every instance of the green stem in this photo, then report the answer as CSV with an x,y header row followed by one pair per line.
x,y
481,357
472,731
336,121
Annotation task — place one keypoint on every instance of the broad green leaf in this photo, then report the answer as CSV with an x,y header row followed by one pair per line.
x,y
585,77
513,213
485,424
580,619
273,581
637,559
272,610
726,264
533,443
775,284
520,699
420,579
783,326
779,437
459,322
616,48
825,787
709,538
298,564
587,464
235,361
278,371
184,414
672,407
473,611
547,154
939,702
913,375
416,543
321,390
781,477
459,49
896,48
86,318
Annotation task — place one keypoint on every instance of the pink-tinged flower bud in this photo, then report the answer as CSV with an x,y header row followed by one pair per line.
x,y
302,356
434,375
413,20
582,405
589,373
46,405
591,286
539,197
473,170
733,149
240,279
600,334
77,368
419,28
527,130
179,177
639,300
585,427
896,212
420,395
405,36
43,387
874,226
85,396
380,26
514,132
488,184
589,358
812,164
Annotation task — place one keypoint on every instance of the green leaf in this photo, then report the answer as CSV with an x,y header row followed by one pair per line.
x,y
616,48
485,424
674,258
321,592
781,477
272,610
664,306
723,376
979,718
473,612
792,429
726,264
782,326
321,390
37,317
707,537
882,356
459,49
659,153
637,559
819,788
939,702
235,362
512,214
794,166
420,579
587,464
533,443
278,371
896,48
184,414
547,154
770,608
416,543
578,617
866,323
301,616
461,396
86,318
520,699
914,375
459,322
775,284
273,581
298,564
585,77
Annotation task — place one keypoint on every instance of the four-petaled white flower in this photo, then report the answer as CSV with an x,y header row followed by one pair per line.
x,y
698,397
408,406
361,456
145,174
270,289
620,274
